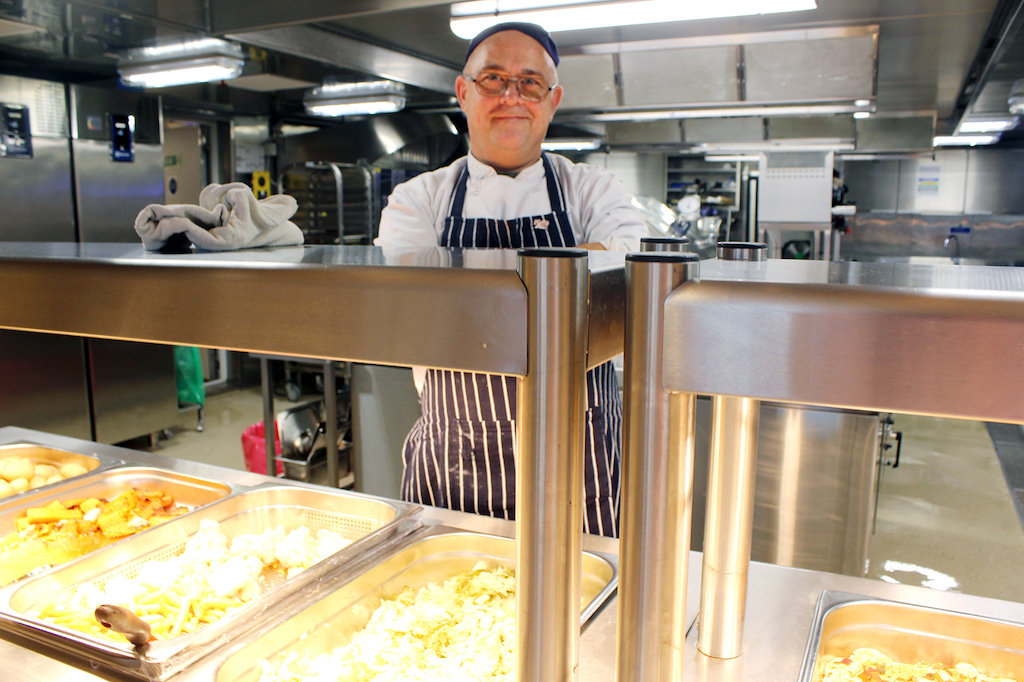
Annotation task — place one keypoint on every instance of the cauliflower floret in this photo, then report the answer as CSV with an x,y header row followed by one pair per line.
x,y
328,542
297,550
234,575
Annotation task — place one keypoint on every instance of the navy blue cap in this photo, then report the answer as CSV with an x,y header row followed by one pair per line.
x,y
533,30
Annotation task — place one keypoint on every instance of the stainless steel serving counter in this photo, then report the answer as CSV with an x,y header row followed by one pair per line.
x,y
779,615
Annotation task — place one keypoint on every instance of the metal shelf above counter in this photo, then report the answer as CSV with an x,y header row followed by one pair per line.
x,y
546,315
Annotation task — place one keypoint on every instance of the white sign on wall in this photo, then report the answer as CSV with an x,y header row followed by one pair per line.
x,y
928,176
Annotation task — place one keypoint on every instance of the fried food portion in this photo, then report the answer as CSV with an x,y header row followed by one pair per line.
x,y
64,530
871,665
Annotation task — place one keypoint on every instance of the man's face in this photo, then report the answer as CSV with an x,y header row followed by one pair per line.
x,y
507,130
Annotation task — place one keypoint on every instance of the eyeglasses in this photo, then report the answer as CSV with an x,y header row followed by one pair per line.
x,y
531,88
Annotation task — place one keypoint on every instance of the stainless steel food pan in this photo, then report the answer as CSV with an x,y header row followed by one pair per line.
x,y
42,454
334,612
844,622
107,484
369,522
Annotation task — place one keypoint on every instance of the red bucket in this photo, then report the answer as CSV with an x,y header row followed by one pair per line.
x,y
255,449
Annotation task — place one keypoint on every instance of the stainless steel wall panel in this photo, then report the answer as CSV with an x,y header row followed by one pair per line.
x,y
111,193
42,384
994,182
36,194
590,81
874,185
836,68
706,74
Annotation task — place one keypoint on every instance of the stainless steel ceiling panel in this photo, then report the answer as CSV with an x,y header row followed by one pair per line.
x,y
329,48
733,129
888,134
644,132
705,74
588,80
811,127
811,70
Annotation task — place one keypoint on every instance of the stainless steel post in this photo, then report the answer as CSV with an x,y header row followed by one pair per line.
x,y
331,428
657,481
269,425
549,467
732,470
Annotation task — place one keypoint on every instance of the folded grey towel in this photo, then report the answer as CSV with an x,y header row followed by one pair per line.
x,y
227,217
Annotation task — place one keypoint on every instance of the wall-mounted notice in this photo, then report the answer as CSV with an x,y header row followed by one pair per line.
x,y
928,179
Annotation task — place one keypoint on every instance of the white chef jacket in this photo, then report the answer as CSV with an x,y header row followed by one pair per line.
x,y
599,205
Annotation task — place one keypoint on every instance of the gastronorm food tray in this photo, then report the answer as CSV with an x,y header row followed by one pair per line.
x,y
907,633
188,491
43,454
334,610
369,522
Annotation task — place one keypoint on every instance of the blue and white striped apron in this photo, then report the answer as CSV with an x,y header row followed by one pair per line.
x,y
460,453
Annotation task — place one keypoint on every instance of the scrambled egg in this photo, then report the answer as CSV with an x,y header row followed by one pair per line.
x,y
461,631
870,665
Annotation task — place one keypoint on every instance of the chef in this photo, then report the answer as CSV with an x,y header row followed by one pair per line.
x,y
507,194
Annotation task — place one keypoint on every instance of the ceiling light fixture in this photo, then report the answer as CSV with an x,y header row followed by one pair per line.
x,y
740,109
964,140
861,114
469,18
355,99
582,144
198,61
992,124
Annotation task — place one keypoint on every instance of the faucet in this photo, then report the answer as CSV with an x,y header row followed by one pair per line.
x,y
952,239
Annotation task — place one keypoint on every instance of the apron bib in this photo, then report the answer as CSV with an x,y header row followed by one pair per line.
x,y
460,453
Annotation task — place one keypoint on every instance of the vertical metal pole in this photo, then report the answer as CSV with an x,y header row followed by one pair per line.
x,y
331,421
549,467
657,481
732,470
675,244
269,427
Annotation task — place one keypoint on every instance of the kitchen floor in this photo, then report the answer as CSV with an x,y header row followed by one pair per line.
x,y
945,519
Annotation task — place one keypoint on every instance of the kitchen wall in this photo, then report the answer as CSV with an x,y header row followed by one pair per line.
x,y
910,206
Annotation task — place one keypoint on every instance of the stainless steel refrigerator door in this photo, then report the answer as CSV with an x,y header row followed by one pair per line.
x,y
111,193
42,383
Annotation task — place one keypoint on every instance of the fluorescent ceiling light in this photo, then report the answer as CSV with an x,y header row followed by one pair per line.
x,y
732,157
964,140
356,99
469,18
861,114
721,112
199,61
988,125
571,144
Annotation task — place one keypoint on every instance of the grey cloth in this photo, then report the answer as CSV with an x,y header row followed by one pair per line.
x,y
227,217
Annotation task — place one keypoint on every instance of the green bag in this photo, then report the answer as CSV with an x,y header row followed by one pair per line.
x,y
191,390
